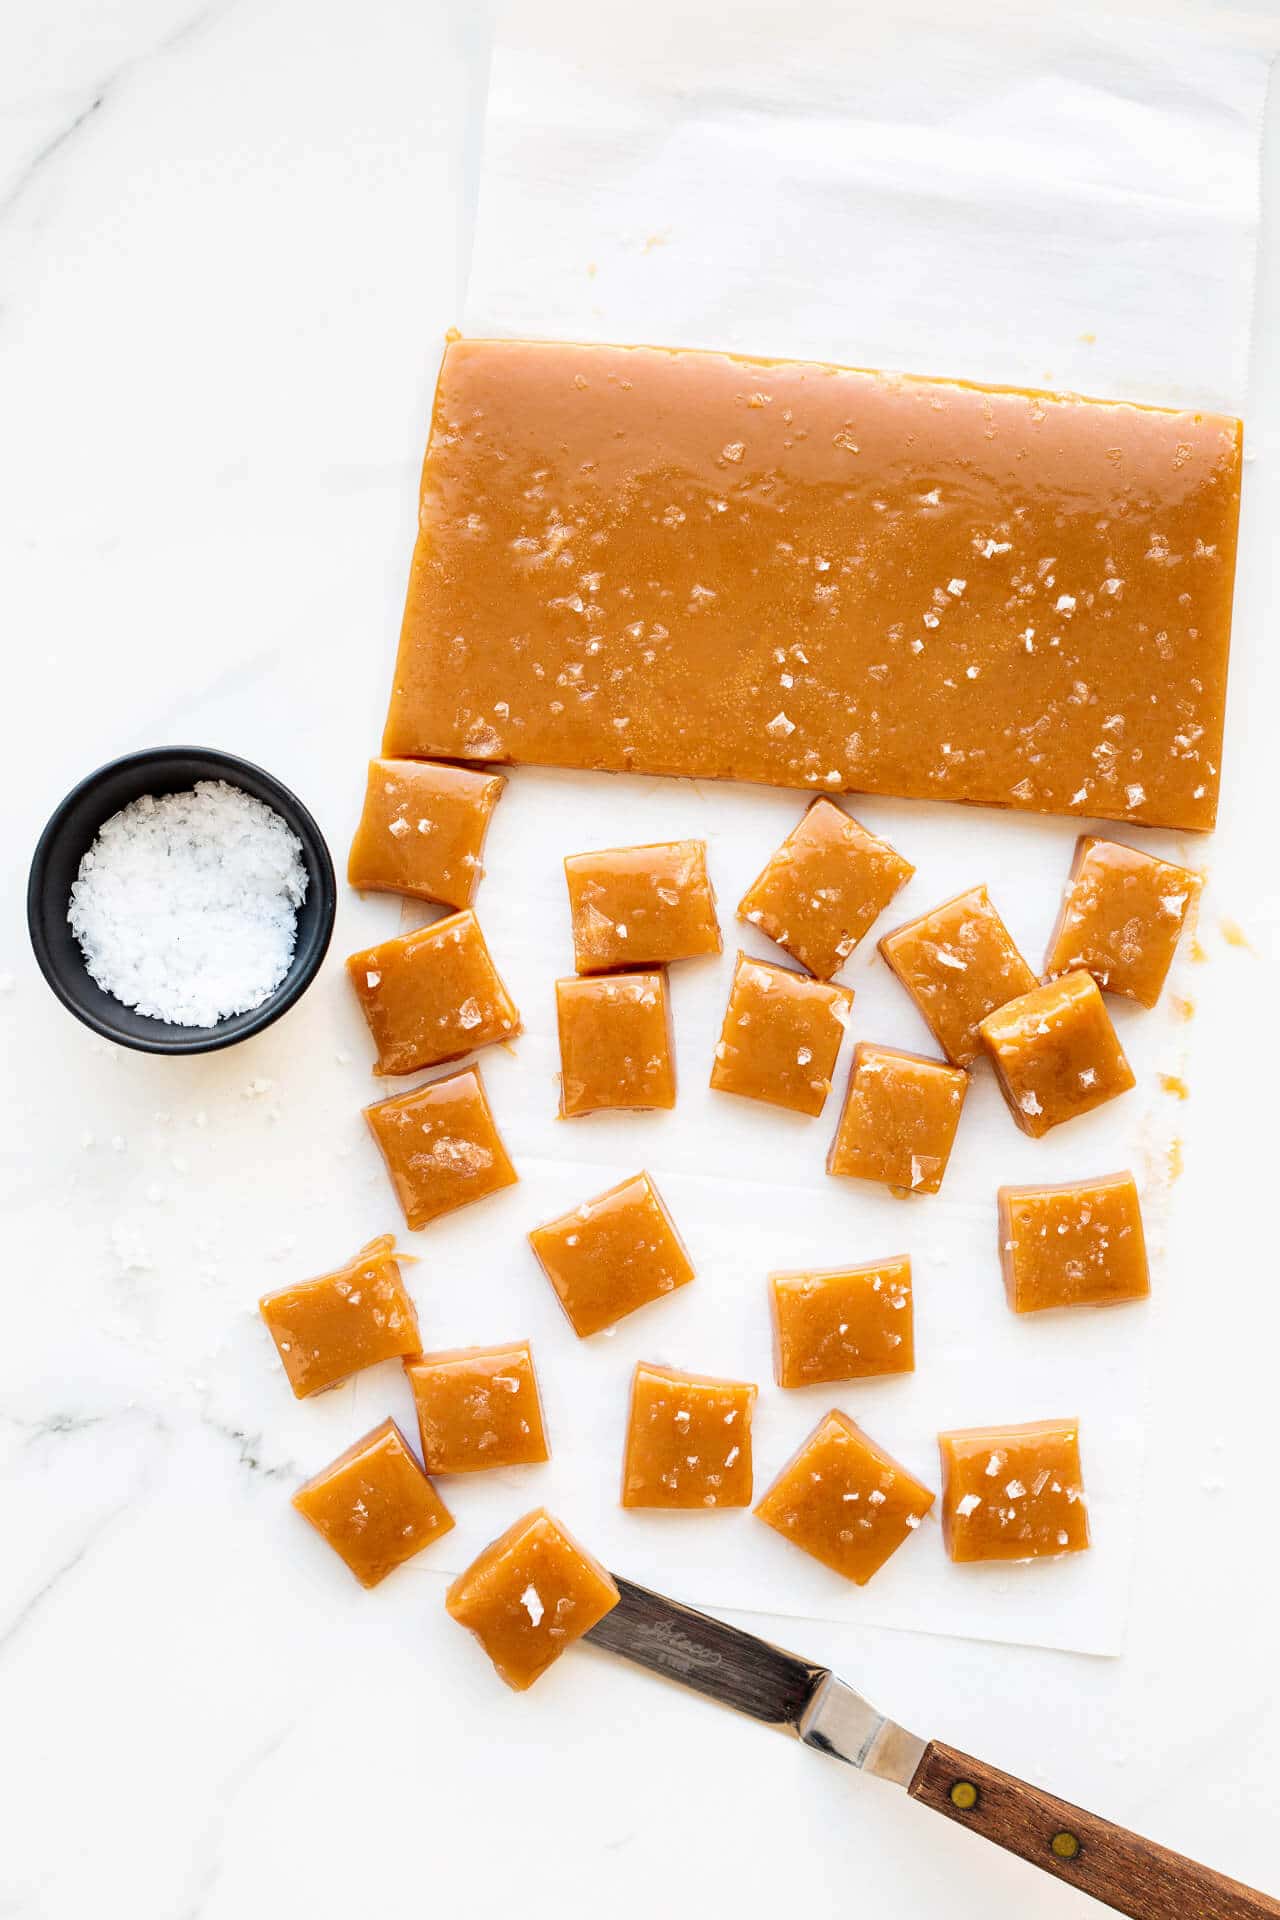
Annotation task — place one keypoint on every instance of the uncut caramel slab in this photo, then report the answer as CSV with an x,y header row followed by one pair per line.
x,y
673,562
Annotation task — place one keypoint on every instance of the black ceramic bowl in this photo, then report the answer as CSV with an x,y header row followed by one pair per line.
x,y
72,831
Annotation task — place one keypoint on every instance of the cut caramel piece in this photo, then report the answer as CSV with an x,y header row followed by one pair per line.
x,y
845,1500
844,1324
1122,917
612,1254
432,995
780,1037
615,1042
1055,1053
1013,1493
374,1505
529,1596
959,964
641,906
899,1120
1079,1245
688,1440
478,1407
329,1328
820,578
422,831
824,886
441,1146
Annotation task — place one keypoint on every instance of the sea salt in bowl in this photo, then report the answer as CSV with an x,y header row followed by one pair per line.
x,y
72,831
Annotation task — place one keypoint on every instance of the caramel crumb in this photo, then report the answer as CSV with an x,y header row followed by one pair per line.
x,y
1183,1007
1234,934
1174,1084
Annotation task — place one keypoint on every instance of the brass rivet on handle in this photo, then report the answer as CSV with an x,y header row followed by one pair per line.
x,y
1065,1845
964,1795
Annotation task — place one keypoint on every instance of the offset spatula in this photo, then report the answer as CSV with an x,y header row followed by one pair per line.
x,y
1114,1866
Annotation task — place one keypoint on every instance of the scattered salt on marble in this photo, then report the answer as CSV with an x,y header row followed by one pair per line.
x,y
185,906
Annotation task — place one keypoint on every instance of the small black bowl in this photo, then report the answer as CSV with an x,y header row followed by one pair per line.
x,y
72,831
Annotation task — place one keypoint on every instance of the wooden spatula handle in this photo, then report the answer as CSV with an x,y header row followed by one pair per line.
x,y
1130,1874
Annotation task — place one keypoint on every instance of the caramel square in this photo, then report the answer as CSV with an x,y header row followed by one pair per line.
x,y
688,1440
823,888
441,1146
478,1407
959,964
1013,1493
847,1323
612,1254
374,1505
615,1042
329,1328
432,995
845,1500
899,1120
1056,1054
1122,916
1079,1245
780,1037
529,1596
641,906
422,830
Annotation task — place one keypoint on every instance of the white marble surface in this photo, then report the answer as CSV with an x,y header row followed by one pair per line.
x,y
230,243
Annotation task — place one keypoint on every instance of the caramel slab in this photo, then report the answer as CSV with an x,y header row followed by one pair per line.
x,y
1013,1493
374,1505
422,830
641,906
431,995
959,964
612,1254
780,1036
844,1323
679,562
899,1119
615,1042
478,1407
530,1595
441,1146
1080,1244
331,1327
1122,916
820,892
688,1440
844,1500
1055,1053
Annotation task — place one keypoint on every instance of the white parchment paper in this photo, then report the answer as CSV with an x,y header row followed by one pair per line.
x,y
1067,203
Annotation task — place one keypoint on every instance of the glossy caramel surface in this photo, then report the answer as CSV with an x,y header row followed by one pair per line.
x,y
820,892
612,1254
530,1595
374,1505
331,1327
1013,1493
683,562
422,830
844,1500
1056,1053
441,1146
1122,916
478,1407
844,1323
959,964
688,1440
615,1042
780,1036
1080,1244
641,906
432,995
899,1120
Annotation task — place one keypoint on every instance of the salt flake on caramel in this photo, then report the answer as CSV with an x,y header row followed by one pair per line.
x,y
959,964
1013,1493
780,1036
331,1327
478,1407
530,1595
641,906
1123,914
899,1120
612,1254
374,1505
844,1500
688,1440
441,1146
844,1323
422,831
1076,1245
1055,1053
615,1042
